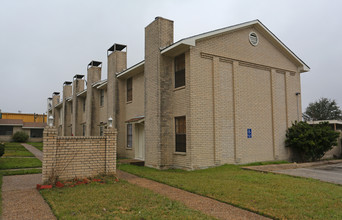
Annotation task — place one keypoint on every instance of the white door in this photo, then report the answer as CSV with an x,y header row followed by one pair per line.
x,y
140,142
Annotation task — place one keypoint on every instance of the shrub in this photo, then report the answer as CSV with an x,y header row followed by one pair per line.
x,y
2,149
311,142
20,136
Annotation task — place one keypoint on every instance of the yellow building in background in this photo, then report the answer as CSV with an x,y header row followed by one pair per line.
x,y
25,117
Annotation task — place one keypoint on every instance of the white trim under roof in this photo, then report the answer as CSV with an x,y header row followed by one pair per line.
x,y
59,105
185,43
95,84
102,85
84,92
329,121
137,68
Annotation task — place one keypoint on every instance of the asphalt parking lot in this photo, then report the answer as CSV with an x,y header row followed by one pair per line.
x,y
328,173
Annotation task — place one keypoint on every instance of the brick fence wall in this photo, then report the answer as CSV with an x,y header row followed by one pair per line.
x,y
79,156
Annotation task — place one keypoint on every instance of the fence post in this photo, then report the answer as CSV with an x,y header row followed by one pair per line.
x,y
49,151
110,154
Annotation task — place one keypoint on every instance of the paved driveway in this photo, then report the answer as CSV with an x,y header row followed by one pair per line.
x,y
328,173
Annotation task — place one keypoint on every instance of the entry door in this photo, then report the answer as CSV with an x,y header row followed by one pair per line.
x,y
140,142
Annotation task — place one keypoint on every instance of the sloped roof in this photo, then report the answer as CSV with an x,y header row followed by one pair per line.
x,y
185,43
11,122
34,125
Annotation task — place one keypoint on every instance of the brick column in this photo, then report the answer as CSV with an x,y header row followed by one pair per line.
x,y
49,151
110,154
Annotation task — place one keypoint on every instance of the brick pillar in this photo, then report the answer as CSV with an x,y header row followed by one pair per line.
x,y
110,155
49,151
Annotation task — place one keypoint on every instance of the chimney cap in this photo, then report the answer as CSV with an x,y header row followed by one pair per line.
x,y
67,83
94,63
55,93
78,76
49,98
117,47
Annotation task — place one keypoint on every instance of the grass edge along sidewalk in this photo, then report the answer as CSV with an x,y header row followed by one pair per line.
x,y
275,195
115,199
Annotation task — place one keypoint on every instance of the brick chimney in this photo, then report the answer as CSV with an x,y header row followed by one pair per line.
x,y
158,34
117,62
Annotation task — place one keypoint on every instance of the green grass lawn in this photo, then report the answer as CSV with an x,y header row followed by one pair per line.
x,y
16,163
38,145
115,200
275,195
13,149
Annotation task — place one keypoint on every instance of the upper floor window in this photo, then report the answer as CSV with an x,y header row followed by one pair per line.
x,y
129,89
101,97
84,105
180,71
101,130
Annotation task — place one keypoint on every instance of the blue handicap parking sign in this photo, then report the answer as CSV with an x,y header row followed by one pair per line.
x,y
249,132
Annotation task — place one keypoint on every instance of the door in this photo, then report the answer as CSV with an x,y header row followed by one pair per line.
x,y
140,141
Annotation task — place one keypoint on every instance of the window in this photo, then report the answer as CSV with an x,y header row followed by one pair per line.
x,y
6,130
36,133
129,90
253,38
101,97
129,135
101,130
180,71
180,131
83,129
84,105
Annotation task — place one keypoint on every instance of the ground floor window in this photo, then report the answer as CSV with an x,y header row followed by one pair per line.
x,y
180,132
36,133
129,135
6,130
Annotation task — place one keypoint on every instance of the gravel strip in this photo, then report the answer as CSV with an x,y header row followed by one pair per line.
x,y
206,205
35,151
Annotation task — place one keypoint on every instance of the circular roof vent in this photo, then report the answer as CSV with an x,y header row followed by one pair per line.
x,y
253,38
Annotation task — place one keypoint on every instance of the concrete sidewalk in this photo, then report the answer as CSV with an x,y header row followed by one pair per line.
x,y
206,205
37,153
20,199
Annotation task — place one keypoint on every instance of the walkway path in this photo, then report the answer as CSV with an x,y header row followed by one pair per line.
x,y
37,153
20,199
206,205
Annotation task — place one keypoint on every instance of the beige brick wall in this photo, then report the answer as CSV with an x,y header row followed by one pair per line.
x,y
235,86
129,110
78,157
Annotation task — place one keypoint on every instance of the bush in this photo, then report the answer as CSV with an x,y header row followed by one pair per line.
x,y
311,142
2,149
20,136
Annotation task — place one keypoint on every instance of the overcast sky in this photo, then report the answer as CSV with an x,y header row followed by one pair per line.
x,y
44,43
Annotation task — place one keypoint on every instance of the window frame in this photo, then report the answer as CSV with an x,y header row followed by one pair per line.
x,y
129,136
102,97
84,105
129,89
36,130
4,132
180,134
179,71
101,130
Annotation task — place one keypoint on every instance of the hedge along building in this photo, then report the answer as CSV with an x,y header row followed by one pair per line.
x,y
226,96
